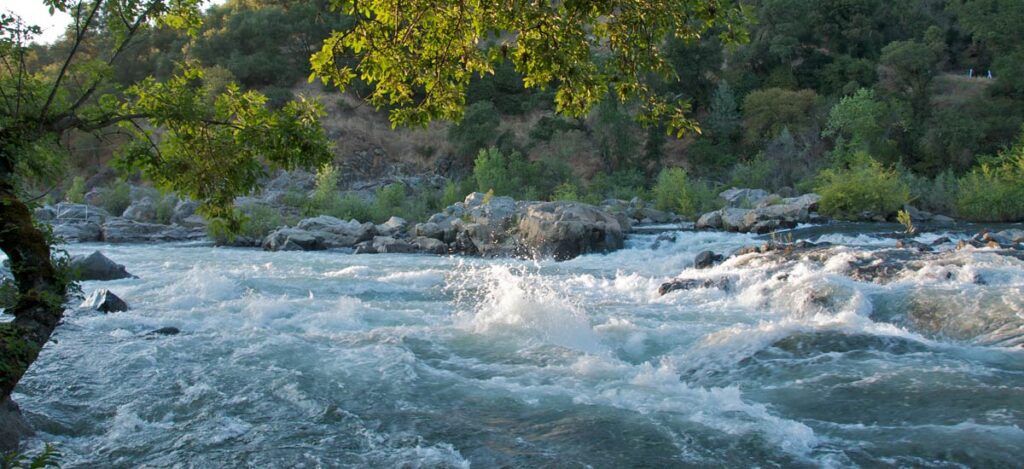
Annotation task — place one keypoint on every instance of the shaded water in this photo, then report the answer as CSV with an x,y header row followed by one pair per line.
x,y
294,359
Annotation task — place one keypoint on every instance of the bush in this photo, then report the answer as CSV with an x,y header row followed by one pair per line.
x,y
116,198
326,189
165,208
510,175
456,191
676,192
864,186
76,192
476,130
994,191
937,194
624,185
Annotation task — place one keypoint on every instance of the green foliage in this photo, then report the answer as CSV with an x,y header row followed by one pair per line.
x,y
994,191
864,186
766,112
861,123
213,153
76,191
937,195
164,207
616,135
476,131
259,220
326,189
116,198
422,71
511,175
903,217
16,353
456,191
675,191
755,174
48,457
724,119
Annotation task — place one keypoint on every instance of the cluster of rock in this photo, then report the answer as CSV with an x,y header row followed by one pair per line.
x,y
481,225
637,211
87,223
757,211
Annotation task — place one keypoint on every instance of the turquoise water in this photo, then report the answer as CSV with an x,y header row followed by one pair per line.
x,y
295,359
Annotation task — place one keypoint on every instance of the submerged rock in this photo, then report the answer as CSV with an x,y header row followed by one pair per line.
x,y
96,266
693,284
104,300
164,331
707,259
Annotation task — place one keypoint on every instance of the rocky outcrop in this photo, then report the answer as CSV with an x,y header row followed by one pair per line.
x,y
319,233
142,210
394,226
105,301
564,230
96,266
767,213
120,230
637,211
707,259
693,284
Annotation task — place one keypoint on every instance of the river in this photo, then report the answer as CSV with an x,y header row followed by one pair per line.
x,y
301,359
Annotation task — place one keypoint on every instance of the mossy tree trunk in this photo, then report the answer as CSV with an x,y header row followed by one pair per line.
x,y
41,290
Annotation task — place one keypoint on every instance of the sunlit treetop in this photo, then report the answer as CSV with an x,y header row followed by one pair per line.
x,y
419,55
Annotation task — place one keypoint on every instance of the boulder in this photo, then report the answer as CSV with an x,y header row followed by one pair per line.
x,y
66,212
706,259
105,301
710,221
393,227
46,213
429,230
563,230
79,231
389,245
430,245
185,210
337,227
96,266
733,219
142,210
693,284
292,239
1012,236
742,197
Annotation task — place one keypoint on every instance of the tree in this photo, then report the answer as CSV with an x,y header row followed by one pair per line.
x,y
211,148
862,123
723,120
766,112
419,55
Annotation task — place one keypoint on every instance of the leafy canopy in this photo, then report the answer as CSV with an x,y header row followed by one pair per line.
x,y
419,55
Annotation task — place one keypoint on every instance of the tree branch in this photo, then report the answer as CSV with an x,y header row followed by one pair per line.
x,y
79,38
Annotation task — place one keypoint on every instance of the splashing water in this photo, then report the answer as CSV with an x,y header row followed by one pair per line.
x,y
323,359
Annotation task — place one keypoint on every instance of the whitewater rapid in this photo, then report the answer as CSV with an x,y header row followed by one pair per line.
x,y
299,359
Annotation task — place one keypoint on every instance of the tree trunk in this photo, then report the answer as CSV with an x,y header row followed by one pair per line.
x,y
41,290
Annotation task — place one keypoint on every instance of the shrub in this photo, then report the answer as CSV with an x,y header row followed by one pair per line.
x,y
326,189
351,206
456,191
994,191
116,198
76,192
624,185
165,208
864,186
476,130
676,192
938,194
508,175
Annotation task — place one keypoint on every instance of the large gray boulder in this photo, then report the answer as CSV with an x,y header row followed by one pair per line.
x,y
319,233
771,213
389,245
96,266
184,210
142,210
430,245
742,198
733,218
68,212
78,231
393,227
564,230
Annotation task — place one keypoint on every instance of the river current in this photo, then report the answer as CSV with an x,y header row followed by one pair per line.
x,y
326,359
